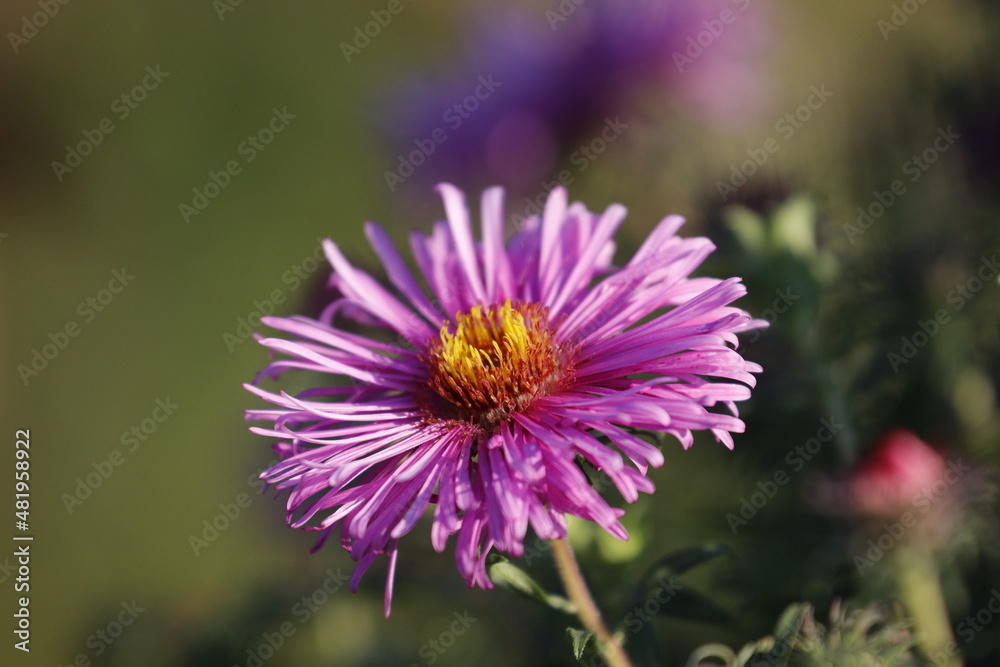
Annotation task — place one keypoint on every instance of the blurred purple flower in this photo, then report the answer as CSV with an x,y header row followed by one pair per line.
x,y
526,359
534,85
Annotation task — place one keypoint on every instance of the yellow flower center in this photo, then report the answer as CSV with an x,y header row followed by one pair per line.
x,y
497,361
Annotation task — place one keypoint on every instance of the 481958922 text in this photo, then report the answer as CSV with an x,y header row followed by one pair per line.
x,y
22,550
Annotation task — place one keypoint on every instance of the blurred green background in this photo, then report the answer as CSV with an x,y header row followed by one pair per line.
x,y
172,334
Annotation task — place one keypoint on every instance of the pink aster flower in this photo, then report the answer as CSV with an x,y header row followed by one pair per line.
x,y
480,385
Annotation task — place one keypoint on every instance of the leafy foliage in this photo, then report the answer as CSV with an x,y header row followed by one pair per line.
x,y
507,575
861,637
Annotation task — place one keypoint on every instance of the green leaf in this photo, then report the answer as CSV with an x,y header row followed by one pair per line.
x,y
765,652
794,227
679,562
503,573
748,228
790,623
778,649
580,639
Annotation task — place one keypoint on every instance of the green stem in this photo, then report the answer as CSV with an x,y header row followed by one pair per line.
x,y
586,609
920,587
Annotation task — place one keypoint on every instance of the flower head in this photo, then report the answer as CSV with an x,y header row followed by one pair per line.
x,y
480,389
